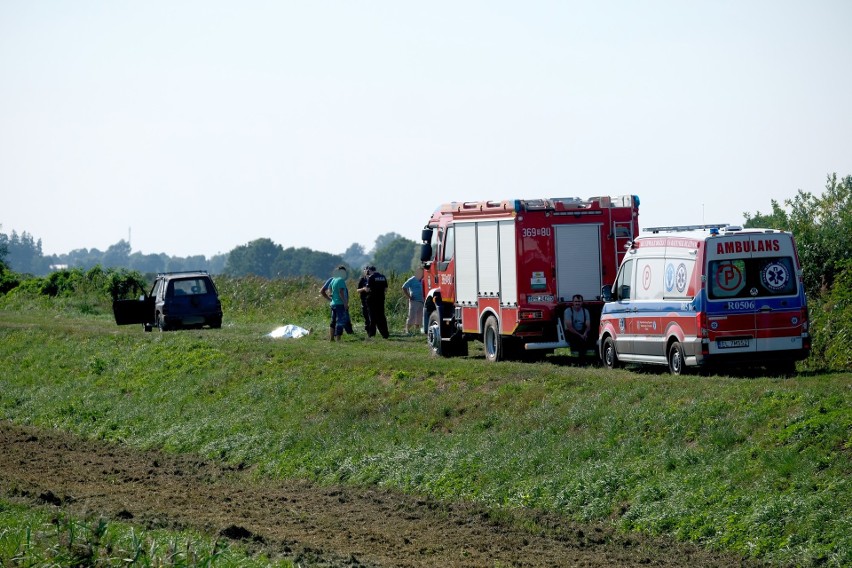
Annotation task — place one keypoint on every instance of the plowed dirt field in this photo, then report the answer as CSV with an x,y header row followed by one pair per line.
x,y
313,525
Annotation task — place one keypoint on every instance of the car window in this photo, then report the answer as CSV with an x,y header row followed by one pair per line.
x,y
752,277
190,287
624,281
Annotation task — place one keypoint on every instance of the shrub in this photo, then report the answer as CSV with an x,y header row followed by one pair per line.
x,y
831,323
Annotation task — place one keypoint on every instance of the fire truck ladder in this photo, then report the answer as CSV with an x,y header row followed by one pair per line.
x,y
622,232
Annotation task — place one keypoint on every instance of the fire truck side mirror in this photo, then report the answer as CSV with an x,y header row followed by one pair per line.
x,y
606,293
426,235
426,252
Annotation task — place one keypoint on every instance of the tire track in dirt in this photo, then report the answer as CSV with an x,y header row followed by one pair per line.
x,y
314,525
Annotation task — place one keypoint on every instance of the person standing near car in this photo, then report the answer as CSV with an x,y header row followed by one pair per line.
x,y
376,287
337,293
413,289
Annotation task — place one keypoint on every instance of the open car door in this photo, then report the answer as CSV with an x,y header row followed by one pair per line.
x,y
133,311
128,312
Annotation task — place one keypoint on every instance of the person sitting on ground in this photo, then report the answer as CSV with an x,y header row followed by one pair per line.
x,y
577,325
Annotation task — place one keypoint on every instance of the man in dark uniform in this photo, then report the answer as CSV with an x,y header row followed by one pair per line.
x,y
369,326
377,284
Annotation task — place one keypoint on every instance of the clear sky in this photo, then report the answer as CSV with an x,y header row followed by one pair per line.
x,y
196,126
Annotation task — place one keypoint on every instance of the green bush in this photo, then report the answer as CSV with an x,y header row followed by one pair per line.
x,y
831,323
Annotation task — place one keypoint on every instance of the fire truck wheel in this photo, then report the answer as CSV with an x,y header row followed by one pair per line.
x,y
433,334
676,362
608,354
492,340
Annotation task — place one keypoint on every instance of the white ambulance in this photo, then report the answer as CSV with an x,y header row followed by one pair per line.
x,y
706,296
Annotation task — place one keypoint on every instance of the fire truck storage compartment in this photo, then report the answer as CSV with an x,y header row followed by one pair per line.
x,y
578,260
485,251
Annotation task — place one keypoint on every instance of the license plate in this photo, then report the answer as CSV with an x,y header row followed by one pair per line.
x,y
731,343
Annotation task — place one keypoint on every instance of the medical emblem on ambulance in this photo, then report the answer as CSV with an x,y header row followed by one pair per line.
x,y
680,278
669,277
775,276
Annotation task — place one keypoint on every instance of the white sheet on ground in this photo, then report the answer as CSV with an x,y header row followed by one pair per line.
x,y
289,330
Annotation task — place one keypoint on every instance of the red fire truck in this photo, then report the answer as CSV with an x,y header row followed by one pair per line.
x,y
502,272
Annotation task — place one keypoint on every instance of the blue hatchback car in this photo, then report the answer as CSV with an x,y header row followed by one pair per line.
x,y
177,300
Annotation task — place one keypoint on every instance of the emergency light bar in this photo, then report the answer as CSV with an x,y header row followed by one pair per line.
x,y
677,228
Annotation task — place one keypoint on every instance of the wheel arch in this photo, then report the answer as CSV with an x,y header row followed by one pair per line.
x,y
486,313
673,333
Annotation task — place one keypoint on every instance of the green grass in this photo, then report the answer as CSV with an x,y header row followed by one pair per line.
x,y
758,466
34,537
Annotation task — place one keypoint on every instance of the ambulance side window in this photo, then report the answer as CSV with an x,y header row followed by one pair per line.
x,y
625,279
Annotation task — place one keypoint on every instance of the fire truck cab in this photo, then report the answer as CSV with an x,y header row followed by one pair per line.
x,y
502,272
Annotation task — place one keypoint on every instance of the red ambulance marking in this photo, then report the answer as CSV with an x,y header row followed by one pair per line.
x,y
729,277
744,247
646,277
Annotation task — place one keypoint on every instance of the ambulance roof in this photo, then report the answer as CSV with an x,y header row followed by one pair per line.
x,y
701,232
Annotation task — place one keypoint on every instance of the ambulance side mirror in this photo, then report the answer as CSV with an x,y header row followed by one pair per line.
x,y
606,293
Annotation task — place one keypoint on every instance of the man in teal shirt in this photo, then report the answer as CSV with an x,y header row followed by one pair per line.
x,y
336,291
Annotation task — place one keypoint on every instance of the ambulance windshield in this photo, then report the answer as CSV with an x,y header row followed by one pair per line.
x,y
751,278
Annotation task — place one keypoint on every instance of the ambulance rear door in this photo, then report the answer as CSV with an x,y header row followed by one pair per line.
x,y
753,293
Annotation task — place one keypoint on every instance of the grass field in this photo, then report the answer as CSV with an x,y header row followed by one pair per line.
x,y
758,466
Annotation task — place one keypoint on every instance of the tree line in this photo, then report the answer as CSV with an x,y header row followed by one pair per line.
x,y
262,257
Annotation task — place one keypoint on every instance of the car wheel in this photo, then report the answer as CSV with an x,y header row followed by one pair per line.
x,y
609,355
677,364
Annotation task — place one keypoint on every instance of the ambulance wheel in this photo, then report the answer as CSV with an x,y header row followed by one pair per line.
x,y
492,340
677,364
608,354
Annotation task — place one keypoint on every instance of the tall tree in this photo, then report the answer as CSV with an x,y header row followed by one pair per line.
x,y
305,262
24,253
4,250
398,256
256,257
384,240
117,255
355,256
